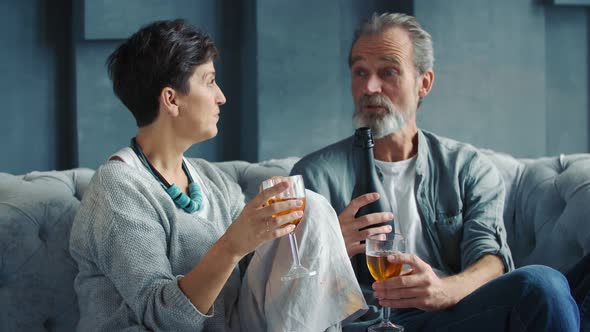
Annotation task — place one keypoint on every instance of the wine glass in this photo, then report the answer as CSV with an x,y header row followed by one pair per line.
x,y
378,247
295,191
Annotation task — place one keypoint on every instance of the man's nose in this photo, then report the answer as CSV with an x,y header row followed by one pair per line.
x,y
373,85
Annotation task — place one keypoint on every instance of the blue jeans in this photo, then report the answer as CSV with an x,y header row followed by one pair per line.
x,y
532,298
579,280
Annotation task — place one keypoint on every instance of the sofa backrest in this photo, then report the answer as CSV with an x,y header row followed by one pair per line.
x,y
36,270
546,218
250,175
547,208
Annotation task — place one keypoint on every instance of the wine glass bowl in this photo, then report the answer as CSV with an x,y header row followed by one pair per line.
x,y
282,213
296,191
378,248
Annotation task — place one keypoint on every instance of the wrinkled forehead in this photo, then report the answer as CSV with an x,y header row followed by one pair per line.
x,y
393,44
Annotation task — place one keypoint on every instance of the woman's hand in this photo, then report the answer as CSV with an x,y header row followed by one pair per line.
x,y
256,224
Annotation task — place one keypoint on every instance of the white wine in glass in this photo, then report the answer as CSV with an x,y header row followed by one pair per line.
x,y
295,191
378,247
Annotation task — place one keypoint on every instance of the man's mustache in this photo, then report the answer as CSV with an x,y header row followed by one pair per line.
x,y
375,101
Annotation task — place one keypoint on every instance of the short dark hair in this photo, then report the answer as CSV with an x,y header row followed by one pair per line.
x,y
161,54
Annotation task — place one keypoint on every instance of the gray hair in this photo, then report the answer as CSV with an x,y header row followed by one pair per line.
x,y
421,40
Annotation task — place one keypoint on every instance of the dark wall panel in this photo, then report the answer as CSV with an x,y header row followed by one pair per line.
x,y
35,37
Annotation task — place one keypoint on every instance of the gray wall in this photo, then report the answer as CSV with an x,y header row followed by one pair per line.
x,y
34,85
103,123
510,75
303,94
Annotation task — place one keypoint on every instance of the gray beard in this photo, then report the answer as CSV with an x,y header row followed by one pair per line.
x,y
381,124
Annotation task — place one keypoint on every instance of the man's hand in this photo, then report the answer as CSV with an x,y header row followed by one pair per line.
x,y
350,226
421,288
418,288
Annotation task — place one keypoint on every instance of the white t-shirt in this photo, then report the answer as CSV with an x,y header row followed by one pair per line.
x,y
398,182
130,158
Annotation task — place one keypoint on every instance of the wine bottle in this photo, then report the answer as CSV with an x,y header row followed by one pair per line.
x,y
367,181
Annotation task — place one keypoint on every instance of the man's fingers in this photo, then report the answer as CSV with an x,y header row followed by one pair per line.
x,y
412,260
407,272
404,293
374,230
354,205
356,249
373,219
397,283
404,303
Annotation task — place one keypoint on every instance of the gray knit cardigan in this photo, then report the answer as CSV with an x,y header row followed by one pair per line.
x,y
132,244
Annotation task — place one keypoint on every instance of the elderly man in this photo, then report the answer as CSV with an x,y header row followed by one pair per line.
x,y
447,201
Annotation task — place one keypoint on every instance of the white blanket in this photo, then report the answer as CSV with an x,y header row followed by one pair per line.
x,y
316,303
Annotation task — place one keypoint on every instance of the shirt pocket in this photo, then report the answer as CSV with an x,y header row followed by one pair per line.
x,y
449,228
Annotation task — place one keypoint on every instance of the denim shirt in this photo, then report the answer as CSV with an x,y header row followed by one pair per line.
x,y
459,196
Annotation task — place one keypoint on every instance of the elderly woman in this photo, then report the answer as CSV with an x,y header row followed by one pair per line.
x,y
158,237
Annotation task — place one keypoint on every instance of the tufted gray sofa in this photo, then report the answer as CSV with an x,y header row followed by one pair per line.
x,y
546,216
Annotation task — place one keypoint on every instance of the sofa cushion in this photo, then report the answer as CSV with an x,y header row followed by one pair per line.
x,y
36,271
554,200
547,208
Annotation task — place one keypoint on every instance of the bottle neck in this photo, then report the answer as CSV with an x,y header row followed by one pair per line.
x,y
365,160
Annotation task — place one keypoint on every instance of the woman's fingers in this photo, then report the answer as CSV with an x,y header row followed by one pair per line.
x,y
280,208
287,218
265,195
271,218
281,231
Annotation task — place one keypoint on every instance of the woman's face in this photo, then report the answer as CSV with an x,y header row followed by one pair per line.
x,y
199,109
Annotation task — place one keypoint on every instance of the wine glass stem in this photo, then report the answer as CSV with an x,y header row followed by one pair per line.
x,y
385,314
294,249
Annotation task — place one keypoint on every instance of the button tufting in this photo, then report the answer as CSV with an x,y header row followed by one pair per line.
x,y
48,324
43,234
562,161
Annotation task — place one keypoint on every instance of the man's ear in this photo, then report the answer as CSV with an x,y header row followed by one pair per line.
x,y
169,101
425,85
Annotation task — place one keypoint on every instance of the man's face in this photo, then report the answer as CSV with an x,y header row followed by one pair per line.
x,y
385,85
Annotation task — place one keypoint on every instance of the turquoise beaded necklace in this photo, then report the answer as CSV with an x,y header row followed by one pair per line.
x,y
190,205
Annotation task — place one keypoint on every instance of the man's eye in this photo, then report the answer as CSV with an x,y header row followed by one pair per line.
x,y
360,73
389,73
